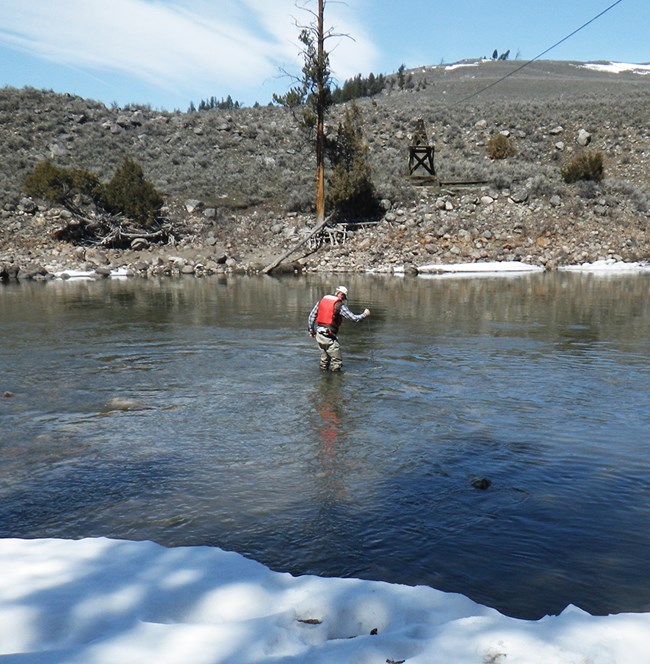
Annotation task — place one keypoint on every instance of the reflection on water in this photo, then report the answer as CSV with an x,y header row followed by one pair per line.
x,y
193,412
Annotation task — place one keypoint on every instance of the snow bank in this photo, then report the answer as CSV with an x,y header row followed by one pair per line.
x,y
90,275
484,268
102,601
618,67
607,265
461,65
505,268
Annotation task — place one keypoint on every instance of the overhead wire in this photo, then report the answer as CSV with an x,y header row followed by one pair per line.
x,y
537,57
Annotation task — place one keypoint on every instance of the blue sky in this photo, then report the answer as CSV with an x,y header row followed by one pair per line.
x,y
166,53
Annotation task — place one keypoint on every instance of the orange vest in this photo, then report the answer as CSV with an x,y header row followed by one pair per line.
x,y
328,312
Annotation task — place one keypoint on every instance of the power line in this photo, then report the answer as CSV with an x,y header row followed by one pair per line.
x,y
537,57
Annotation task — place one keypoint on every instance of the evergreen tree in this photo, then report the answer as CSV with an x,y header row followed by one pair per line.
x,y
131,194
352,194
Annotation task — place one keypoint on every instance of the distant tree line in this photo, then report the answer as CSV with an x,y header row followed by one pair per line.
x,y
359,86
227,104
353,88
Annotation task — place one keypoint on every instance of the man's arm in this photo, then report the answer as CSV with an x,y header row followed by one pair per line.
x,y
311,321
346,313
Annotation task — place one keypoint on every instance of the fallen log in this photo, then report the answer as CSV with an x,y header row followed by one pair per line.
x,y
317,229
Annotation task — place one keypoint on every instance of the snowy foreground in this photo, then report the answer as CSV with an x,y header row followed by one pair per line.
x,y
104,601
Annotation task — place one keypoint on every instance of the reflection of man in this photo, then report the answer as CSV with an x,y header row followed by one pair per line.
x,y
324,322
330,425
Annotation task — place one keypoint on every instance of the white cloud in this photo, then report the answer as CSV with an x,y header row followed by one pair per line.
x,y
164,44
188,44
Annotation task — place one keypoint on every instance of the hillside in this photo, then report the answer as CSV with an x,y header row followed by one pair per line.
x,y
253,170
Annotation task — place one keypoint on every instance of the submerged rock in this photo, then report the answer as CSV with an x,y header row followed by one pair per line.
x,y
123,403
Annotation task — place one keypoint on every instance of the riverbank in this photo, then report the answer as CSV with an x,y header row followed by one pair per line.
x,y
238,184
443,227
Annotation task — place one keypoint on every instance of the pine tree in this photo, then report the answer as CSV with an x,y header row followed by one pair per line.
x,y
352,194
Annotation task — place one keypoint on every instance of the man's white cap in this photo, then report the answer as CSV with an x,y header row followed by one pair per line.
x,y
342,289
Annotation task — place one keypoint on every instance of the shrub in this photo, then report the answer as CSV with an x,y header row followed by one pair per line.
x,y
351,191
500,147
129,193
584,166
61,185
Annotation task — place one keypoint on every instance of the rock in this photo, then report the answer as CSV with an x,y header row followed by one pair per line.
x,y
519,196
103,271
139,243
27,205
8,271
137,118
219,257
33,271
193,205
584,138
124,121
124,403
97,257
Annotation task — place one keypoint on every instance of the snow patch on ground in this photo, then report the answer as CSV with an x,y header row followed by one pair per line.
x,y
607,265
514,268
102,601
618,67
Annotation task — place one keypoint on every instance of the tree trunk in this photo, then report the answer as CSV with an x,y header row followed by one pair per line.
x,y
320,120
319,227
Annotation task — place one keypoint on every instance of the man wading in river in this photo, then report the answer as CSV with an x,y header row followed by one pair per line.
x,y
324,322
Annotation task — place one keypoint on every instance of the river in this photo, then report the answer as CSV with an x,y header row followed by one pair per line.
x,y
193,412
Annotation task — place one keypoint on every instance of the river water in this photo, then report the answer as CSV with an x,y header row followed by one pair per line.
x,y
233,437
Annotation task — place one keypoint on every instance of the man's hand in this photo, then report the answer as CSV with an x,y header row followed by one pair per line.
x,y
366,312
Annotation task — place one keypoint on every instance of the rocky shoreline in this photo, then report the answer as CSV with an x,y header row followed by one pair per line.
x,y
443,227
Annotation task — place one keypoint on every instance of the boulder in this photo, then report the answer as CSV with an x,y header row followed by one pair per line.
x,y
193,205
519,195
584,138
